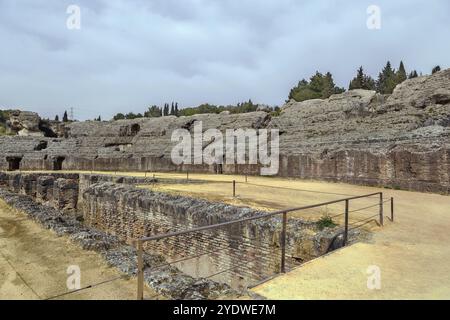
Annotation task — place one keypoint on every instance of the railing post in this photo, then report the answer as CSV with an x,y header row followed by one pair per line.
x,y
246,178
140,262
392,209
346,222
234,188
381,209
283,244
187,176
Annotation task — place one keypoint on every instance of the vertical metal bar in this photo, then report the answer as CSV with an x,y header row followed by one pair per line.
x,y
246,178
140,292
381,209
346,223
234,188
392,209
283,244
187,175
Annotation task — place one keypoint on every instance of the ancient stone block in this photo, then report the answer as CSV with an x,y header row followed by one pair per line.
x,y
44,189
65,194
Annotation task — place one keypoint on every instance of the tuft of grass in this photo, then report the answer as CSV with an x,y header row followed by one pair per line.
x,y
326,222
2,130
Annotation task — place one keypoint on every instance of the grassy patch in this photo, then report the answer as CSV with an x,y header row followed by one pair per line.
x,y
326,222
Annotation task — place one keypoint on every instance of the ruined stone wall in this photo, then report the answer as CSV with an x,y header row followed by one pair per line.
x,y
249,252
60,191
250,249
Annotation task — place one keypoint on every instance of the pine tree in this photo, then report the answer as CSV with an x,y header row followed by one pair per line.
x,y
177,112
319,87
362,81
327,86
172,109
436,69
153,112
119,116
57,118
65,117
413,74
387,80
357,82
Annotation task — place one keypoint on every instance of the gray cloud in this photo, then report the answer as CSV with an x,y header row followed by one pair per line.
x,y
131,54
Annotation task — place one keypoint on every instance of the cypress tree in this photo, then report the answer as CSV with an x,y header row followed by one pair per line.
x,y
401,73
65,117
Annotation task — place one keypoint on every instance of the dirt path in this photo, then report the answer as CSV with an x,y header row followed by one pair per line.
x,y
34,262
413,255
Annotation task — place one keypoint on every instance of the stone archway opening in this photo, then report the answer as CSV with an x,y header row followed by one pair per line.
x,y
58,163
13,163
135,128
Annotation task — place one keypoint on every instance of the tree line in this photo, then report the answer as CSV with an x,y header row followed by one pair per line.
x,y
321,86
173,110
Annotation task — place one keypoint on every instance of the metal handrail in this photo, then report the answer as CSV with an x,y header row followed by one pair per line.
x,y
139,242
267,215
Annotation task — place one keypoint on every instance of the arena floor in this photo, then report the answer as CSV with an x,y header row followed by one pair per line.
x,y
412,253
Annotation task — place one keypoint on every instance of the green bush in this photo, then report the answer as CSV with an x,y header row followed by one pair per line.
x,y
326,222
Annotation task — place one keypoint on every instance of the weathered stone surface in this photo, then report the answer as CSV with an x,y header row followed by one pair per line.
x,y
65,194
401,140
25,123
44,189
109,212
166,280
131,213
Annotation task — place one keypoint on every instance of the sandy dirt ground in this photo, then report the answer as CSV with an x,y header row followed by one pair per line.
x,y
34,262
412,254
272,194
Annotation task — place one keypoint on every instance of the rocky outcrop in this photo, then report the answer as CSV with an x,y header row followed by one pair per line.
x,y
29,124
400,140
25,123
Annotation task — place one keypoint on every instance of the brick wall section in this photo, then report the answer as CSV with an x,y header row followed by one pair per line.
x,y
59,190
248,252
253,248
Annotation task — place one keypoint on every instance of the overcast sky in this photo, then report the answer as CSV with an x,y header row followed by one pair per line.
x,y
130,54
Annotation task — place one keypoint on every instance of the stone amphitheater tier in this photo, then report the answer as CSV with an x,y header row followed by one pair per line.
x,y
361,137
